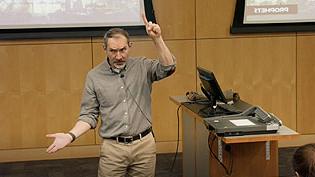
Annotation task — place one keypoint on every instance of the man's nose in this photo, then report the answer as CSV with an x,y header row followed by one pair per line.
x,y
119,55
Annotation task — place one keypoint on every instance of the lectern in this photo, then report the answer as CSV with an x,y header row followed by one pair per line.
x,y
239,156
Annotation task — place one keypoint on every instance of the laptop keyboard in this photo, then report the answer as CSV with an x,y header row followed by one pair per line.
x,y
230,108
218,111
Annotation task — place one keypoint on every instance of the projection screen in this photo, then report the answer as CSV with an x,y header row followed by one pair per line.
x,y
264,16
49,16
279,11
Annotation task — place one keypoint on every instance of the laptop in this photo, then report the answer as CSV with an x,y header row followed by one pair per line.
x,y
254,120
232,122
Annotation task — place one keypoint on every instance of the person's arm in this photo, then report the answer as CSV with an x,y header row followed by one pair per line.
x,y
154,31
87,119
63,139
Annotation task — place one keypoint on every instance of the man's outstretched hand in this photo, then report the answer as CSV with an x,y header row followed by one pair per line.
x,y
61,140
153,30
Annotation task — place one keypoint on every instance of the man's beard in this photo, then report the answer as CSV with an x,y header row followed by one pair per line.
x,y
121,65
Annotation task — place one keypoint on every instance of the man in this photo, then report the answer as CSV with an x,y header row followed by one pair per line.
x,y
119,91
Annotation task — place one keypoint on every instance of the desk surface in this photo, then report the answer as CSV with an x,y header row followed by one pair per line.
x,y
284,133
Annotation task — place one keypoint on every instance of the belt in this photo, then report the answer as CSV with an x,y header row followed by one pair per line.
x,y
130,139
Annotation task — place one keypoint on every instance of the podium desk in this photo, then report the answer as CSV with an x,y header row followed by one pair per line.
x,y
242,156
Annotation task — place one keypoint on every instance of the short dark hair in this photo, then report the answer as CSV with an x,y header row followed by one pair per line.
x,y
113,32
304,160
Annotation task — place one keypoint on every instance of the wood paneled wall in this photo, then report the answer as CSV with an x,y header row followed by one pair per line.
x,y
41,80
40,91
305,84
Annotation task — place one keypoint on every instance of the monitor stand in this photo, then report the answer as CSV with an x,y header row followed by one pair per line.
x,y
212,100
212,110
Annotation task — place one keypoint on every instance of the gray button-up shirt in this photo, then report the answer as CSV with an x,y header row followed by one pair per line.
x,y
123,100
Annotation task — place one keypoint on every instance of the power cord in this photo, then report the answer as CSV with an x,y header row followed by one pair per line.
x,y
177,113
229,171
227,148
177,142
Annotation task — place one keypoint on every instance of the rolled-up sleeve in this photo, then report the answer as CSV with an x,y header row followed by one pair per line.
x,y
89,104
157,71
165,71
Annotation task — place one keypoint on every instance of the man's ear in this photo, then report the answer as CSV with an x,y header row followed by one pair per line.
x,y
104,47
130,44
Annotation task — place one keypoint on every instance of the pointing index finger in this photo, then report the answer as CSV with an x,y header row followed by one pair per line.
x,y
50,135
144,18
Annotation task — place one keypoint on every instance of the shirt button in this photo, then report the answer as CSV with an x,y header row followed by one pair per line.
x,y
122,87
126,126
126,113
124,101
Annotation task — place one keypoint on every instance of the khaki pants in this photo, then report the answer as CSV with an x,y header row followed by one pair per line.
x,y
136,159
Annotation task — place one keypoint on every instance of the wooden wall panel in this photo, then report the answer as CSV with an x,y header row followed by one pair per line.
x,y
163,110
176,18
45,41
305,84
40,91
261,70
183,80
15,155
214,18
99,53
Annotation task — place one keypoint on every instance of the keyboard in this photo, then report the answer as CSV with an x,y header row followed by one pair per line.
x,y
218,111
230,108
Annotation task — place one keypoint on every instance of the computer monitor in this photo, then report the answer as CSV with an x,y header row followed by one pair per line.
x,y
210,87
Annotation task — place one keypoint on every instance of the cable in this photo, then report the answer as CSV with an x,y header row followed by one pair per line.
x,y
228,172
177,142
134,100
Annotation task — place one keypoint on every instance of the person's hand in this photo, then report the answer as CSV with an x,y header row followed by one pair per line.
x,y
61,140
153,30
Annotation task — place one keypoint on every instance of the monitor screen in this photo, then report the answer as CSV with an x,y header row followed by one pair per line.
x,y
210,86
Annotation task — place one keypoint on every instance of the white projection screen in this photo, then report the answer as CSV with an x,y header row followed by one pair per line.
x,y
61,18
274,16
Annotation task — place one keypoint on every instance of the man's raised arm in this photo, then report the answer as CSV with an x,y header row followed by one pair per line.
x,y
154,31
